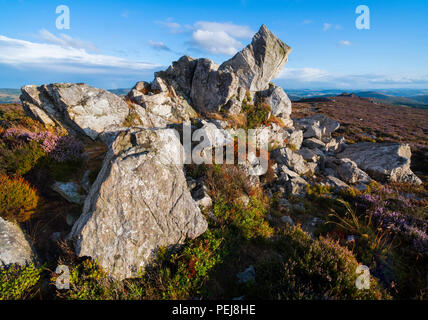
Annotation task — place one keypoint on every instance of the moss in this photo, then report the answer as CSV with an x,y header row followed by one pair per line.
x,y
18,283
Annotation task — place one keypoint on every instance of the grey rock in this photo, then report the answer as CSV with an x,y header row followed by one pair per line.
x,y
296,139
313,143
317,126
297,186
69,191
292,160
78,108
260,62
201,196
211,88
138,203
279,102
336,183
350,173
14,247
308,154
382,161
287,220
248,275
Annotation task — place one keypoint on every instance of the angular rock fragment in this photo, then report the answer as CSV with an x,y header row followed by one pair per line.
x,y
382,161
138,203
14,247
78,108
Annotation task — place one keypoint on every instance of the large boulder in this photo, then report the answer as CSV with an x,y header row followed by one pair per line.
x,y
75,107
347,170
279,102
260,62
14,247
211,88
138,203
382,161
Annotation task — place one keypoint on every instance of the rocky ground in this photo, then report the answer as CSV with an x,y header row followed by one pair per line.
x,y
88,182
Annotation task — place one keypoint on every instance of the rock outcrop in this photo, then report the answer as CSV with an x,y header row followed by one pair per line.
x,y
138,203
78,108
208,87
14,247
383,161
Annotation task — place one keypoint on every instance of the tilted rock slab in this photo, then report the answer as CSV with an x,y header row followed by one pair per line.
x,y
138,203
75,107
382,161
14,247
260,62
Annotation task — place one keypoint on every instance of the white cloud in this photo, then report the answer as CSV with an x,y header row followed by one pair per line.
x,y
65,41
55,57
326,26
344,43
307,22
219,38
303,74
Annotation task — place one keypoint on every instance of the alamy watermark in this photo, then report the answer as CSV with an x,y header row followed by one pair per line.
x,y
363,20
363,280
63,20
63,280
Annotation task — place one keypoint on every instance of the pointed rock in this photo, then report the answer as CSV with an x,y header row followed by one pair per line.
x,y
260,62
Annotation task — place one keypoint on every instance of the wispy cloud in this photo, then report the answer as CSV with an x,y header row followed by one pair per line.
x,y
303,74
159,46
66,41
344,43
172,26
57,57
326,26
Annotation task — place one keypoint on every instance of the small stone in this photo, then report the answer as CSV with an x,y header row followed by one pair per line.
x,y
248,275
287,220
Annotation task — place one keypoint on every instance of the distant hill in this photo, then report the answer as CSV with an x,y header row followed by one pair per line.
x,y
414,102
120,92
421,98
9,95
400,97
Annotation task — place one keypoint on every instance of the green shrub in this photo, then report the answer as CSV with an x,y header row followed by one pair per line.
x,y
18,158
256,114
312,269
18,200
17,283
88,281
193,266
249,220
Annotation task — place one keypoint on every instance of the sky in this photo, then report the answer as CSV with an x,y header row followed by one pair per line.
x,y
114,44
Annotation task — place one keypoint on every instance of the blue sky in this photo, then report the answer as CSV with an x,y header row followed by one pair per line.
x,y
113,44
